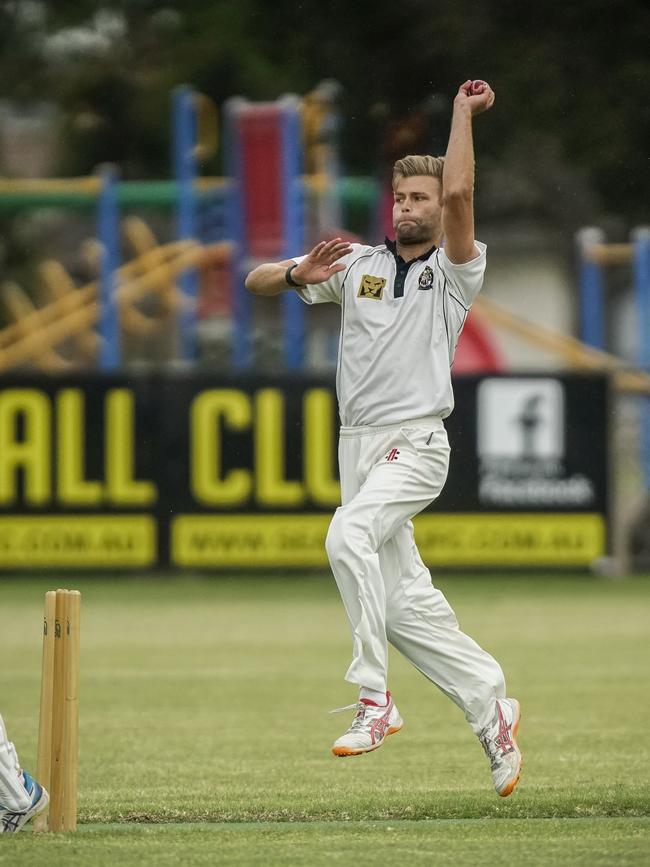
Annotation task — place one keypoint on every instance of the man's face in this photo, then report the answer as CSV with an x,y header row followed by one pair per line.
x,y
417,210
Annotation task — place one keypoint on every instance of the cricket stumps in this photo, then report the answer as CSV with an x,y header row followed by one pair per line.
x,y
58,733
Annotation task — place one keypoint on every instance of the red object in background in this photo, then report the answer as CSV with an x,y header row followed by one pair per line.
x,y
476,351
216,282
260,130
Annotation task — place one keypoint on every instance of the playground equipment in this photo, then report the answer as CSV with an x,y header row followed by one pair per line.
x,y
576,354
267,206
103,193
282,191
71,313
264,148
595,255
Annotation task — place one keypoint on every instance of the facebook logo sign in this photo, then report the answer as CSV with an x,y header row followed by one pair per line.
x,y
521,419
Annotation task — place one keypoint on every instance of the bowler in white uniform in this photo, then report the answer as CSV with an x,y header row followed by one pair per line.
x,y
403,306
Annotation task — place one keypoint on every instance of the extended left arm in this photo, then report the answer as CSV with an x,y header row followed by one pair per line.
x,y
458,173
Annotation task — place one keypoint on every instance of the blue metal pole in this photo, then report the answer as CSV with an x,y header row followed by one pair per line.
x,y
641,240
184,142
592,296
108,230
294,228
242,356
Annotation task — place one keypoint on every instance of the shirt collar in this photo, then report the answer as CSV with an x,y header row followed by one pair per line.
x,y
392,246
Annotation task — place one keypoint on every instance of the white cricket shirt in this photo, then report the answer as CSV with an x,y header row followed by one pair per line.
x,y
400,323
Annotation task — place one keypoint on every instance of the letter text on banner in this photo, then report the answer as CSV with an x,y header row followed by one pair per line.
x,y
273,488
119,455
73,487
318,447
29,452
209,486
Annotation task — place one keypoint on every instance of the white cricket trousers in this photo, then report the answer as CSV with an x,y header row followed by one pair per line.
x,y
388,475
13,795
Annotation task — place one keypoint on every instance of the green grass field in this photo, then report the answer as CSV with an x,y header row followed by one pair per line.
x,y
205,734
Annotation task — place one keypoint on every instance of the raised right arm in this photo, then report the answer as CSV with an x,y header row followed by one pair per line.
x,y
317,267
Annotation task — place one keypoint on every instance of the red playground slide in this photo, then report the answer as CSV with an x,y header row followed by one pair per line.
x,y
477,351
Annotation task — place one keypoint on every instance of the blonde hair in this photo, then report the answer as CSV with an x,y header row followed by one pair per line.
x,y
416,165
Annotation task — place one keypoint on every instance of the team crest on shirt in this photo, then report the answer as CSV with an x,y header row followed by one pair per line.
x,y
371,287
426,279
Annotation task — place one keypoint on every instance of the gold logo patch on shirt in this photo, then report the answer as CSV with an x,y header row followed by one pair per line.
x,y
371,287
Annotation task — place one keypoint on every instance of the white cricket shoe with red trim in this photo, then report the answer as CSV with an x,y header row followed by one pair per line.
x,y
499,740
369,728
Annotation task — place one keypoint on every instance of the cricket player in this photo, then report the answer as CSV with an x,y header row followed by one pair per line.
x,y
403,306
21,797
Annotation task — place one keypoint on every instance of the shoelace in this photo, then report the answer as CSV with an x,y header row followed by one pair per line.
x,y
354,706
498,746
10,822
490,746
360,708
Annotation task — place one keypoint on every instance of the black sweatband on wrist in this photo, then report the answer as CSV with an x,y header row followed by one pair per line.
x,y
289,279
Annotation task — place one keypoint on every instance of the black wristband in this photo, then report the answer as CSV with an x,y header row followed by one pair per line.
x,y
289,279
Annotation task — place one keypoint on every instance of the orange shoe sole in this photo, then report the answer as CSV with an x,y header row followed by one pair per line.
x,y
344,752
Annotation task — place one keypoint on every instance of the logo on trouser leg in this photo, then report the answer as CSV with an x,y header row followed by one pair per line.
x,y
392,455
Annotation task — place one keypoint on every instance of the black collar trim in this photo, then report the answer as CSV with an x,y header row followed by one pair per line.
x,y
392,246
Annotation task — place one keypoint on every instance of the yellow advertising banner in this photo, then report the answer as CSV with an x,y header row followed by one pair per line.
x,y
78,541
487,539
443,540
214,472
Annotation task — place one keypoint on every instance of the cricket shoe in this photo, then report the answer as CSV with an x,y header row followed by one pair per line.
x,y
11,821
369,728
499,740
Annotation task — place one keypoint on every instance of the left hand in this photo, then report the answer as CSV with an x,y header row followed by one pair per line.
x,y
476,102
321,262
